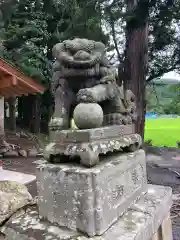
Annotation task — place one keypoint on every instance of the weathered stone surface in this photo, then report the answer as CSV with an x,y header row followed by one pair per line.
x,y
7,175
33,152
87,135
139,223
11,154
2,236
83,72
88,115
90,143
22,153
28,226
13,196
91,200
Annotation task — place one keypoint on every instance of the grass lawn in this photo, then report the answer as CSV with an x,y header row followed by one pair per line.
x,y
163,131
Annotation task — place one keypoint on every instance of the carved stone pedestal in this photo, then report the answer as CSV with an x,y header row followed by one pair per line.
x,y
88,144
91,200
147,219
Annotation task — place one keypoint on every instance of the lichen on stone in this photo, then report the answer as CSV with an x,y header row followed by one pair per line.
x,y
13,196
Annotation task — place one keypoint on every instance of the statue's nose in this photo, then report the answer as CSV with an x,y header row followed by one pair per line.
x,y
83,98
82,55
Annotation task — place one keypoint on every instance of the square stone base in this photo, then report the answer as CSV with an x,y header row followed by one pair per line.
x,y
91,200
140,222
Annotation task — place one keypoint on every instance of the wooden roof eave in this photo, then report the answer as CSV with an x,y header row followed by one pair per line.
x,y
14,83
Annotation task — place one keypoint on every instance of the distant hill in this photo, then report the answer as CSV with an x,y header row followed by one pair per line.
x,y
158,95
158,92
168,78
165,81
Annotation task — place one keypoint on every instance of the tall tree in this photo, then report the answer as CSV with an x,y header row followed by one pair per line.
x,y
136,56
127,23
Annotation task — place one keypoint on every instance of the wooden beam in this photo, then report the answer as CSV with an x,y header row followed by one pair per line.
x,y
17,91
26,88
8,82
21,91
6,92
7,68
12,91
11,86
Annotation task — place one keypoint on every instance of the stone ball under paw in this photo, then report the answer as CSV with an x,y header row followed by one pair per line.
x,y
88,115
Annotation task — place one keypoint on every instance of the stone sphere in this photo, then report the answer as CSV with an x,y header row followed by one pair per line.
x,y
88,115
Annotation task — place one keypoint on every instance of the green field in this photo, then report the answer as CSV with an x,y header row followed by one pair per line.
x,y
163,131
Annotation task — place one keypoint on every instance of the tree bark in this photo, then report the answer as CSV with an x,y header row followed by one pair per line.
x,y
12,113
136,59
20,112
27,113
36,115
47,109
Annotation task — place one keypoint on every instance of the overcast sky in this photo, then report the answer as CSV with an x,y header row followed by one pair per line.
x,y
173,75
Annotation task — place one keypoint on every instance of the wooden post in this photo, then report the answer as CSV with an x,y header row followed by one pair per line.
x,y
36,114
157,235
165,230
12,113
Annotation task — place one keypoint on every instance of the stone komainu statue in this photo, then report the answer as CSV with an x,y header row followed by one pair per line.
x,y
82,73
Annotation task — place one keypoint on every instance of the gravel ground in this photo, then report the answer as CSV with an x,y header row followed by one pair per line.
x,y
167,177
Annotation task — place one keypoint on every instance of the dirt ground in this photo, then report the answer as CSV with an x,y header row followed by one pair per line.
x,y
156,175
163,168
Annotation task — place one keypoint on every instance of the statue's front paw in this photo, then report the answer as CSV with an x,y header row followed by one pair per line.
x,y
85,95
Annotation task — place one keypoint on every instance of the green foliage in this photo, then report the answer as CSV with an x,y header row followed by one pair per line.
x,y
33,27
163,98
174,106
83,20
25,41
30,28
163,18
163,38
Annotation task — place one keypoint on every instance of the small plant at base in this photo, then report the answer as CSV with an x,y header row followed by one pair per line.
x,y
148,142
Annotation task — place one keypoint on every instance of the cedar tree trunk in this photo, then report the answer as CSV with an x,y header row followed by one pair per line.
x,y
136,61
